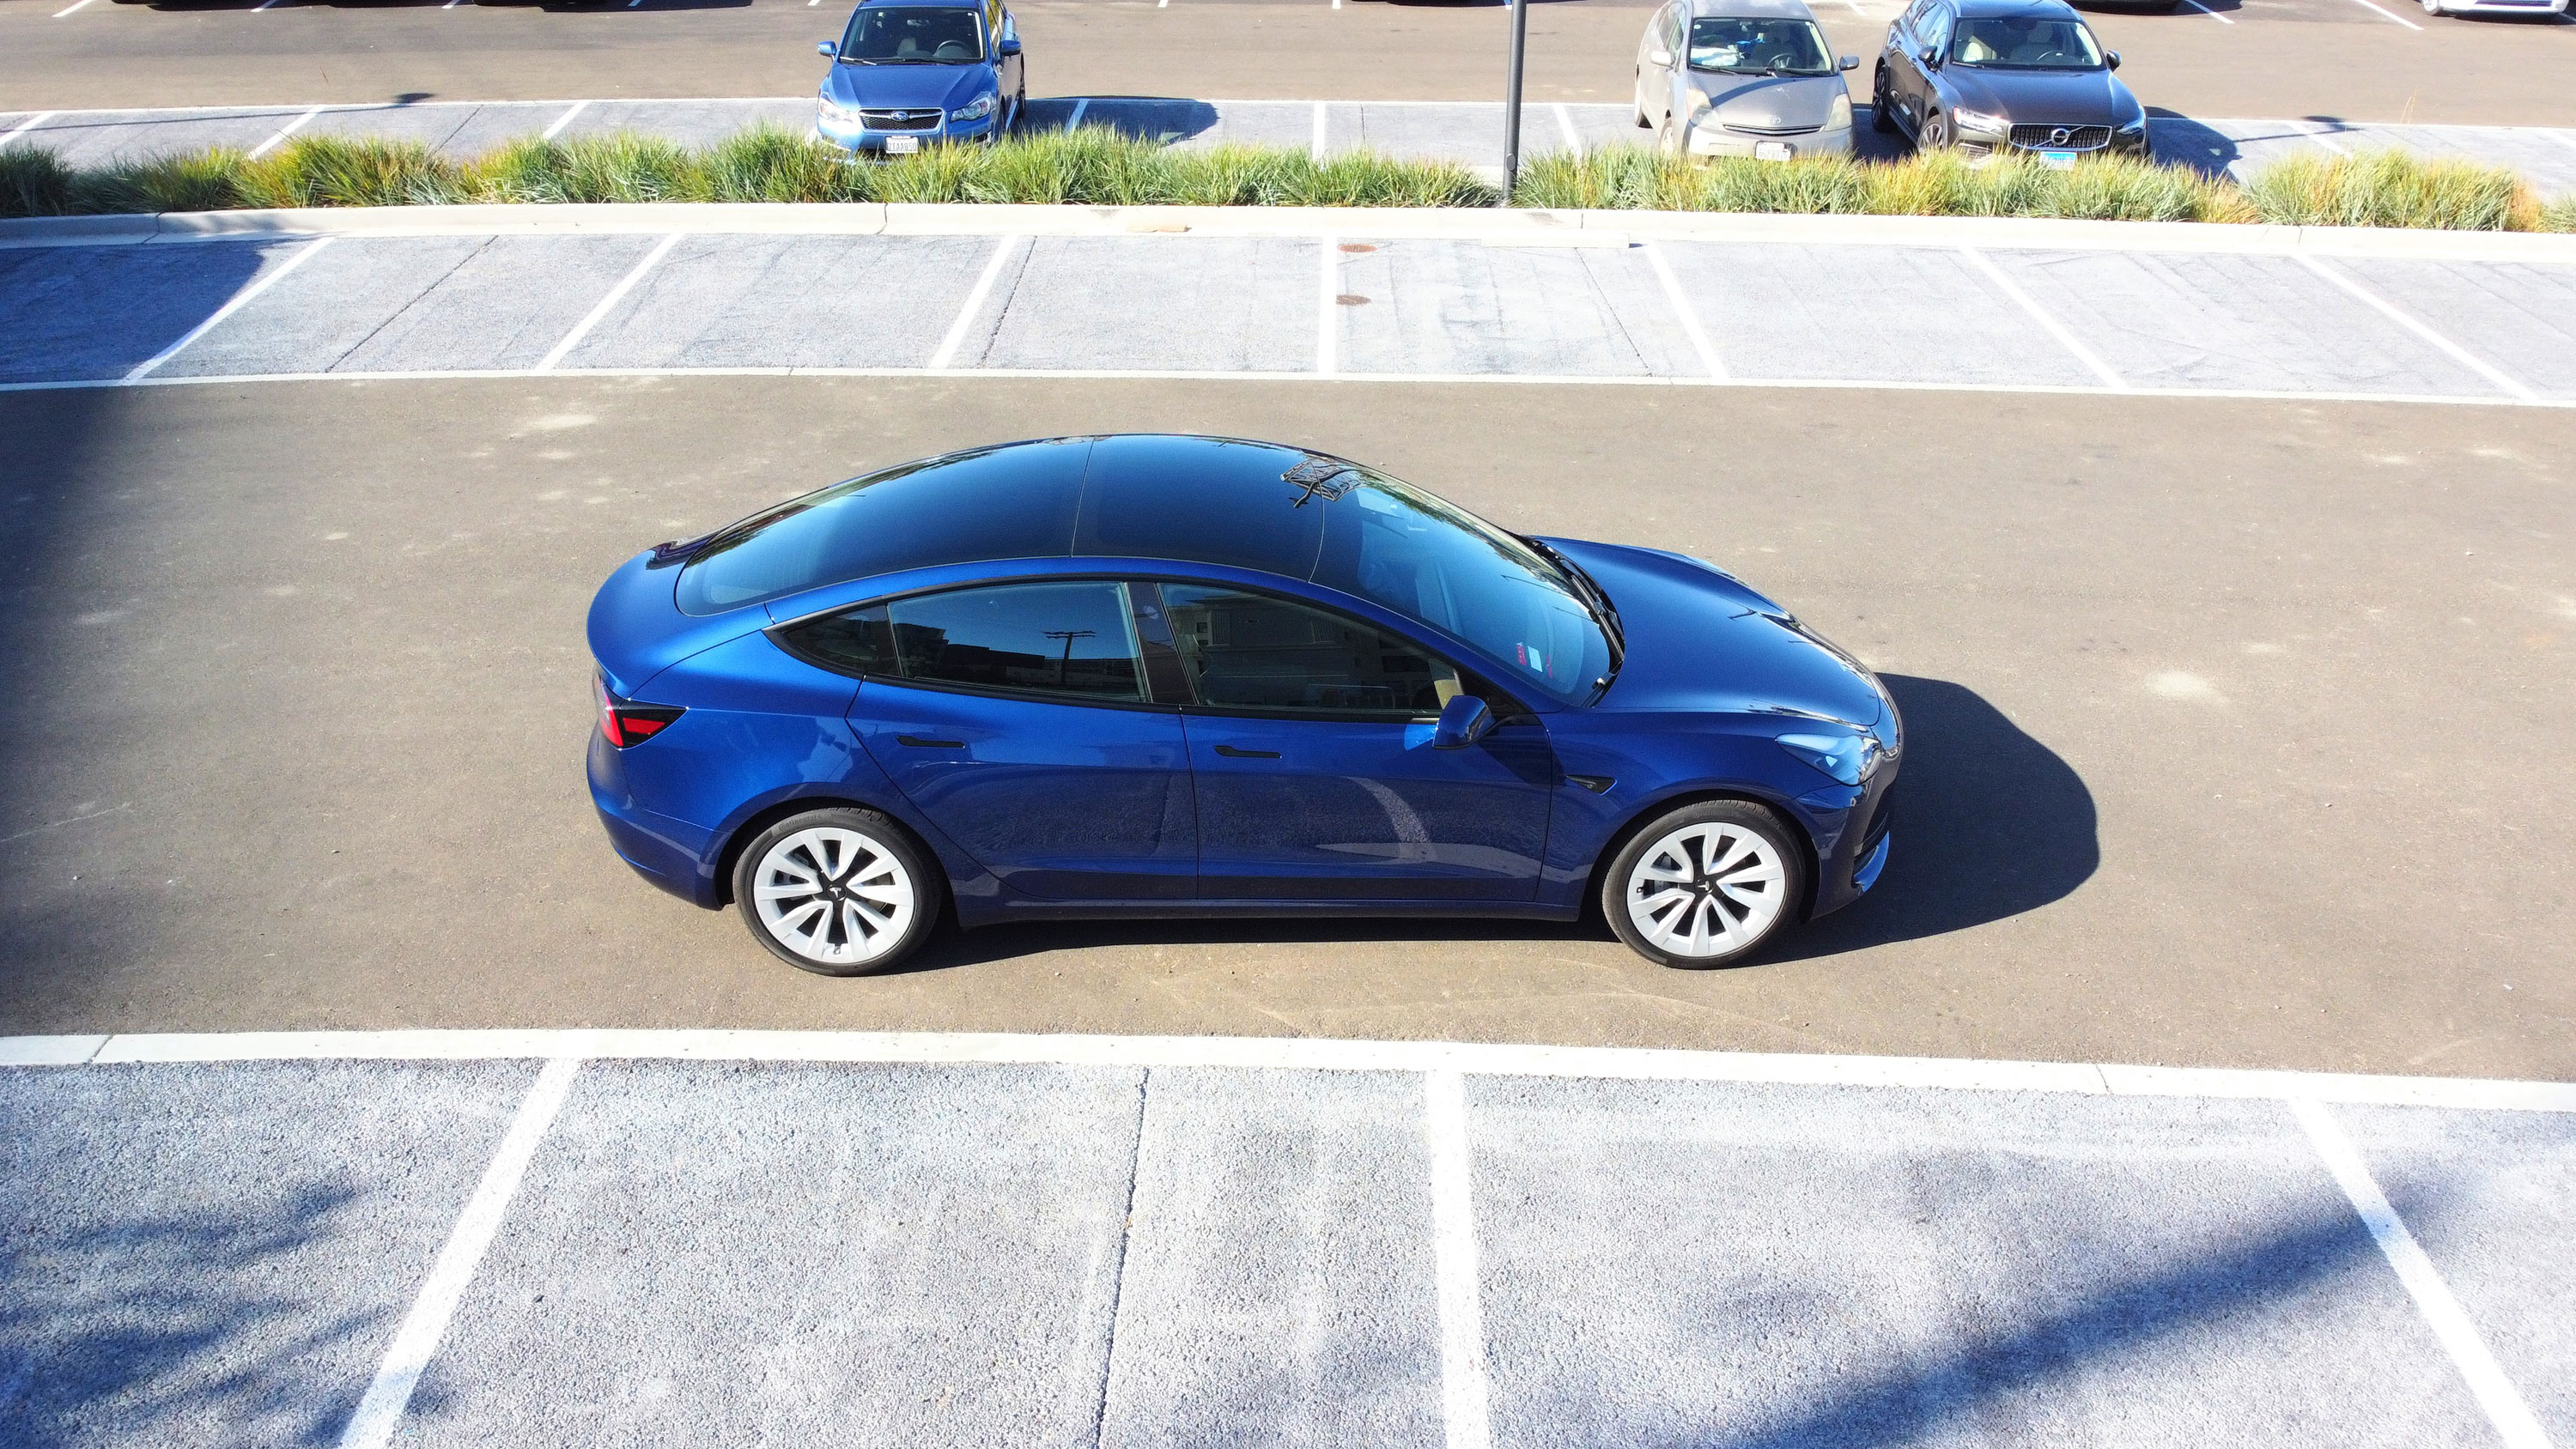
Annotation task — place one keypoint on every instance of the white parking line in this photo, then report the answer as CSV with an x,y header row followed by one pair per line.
x,y
23,127
552,131
2056,329
264,4
239,300
1315,147
69,9
1079,106
600,312
2205,10
1328,319
974,307
2442,1312
289,129
2321,134
381,1411
1565,123
1689,315
1464,1405
2387,15
2461,355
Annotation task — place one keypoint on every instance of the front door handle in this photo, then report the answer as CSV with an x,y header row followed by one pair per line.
x,y
1231,753
921,743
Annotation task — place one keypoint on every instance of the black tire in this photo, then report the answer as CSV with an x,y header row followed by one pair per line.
x,y
1636,89
1643,871
848,911
1882,116
1934,135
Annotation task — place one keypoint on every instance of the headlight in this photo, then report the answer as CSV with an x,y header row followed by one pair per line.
x,y
2134,127
1981,121
1850,759
1840,115
835,115
978,109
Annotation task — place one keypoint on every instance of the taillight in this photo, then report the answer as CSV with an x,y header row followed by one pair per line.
x,y
628,724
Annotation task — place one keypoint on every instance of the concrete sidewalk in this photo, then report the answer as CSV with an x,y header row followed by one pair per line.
x,y
1463,131
1006,1241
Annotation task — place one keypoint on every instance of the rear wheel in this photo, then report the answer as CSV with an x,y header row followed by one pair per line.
x,y
2432,7
1704,885
1882,116
839,892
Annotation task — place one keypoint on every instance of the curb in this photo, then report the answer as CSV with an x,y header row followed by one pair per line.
x,y
1509,226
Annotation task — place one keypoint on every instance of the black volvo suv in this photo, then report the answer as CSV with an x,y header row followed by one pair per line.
x,y
1989,76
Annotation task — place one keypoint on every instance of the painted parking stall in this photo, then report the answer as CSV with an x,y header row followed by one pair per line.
x,y
586,1238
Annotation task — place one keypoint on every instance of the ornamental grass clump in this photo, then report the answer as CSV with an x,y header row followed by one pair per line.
x,y
34,183
198,181
619,167
2392,188
771,163
354,171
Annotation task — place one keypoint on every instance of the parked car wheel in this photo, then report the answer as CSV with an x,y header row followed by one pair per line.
x,y
1934,135
1704,885
2432,7
838,892
1882,116
1637,100
1669,138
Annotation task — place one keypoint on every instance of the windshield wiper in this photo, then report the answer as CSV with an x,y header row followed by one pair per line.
x,y
1596,602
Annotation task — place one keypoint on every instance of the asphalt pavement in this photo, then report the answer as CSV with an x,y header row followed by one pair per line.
x,y
1049,1242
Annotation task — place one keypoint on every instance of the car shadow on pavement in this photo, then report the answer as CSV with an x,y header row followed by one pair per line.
x,y
1162,119
1990,823
2181,141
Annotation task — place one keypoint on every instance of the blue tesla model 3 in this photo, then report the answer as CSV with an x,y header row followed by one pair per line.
x,y
1170,676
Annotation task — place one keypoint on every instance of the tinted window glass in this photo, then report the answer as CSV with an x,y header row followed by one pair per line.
x,y
904,33
1246,650
2016,42
1757,47
1407,550
1199,500
858,642
967,507
1068,638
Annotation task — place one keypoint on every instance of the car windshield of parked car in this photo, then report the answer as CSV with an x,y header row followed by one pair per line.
x,y
910,36
1406,550
2021,42
1732,45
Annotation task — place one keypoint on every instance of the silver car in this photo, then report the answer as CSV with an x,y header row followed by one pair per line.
x,y
1742,78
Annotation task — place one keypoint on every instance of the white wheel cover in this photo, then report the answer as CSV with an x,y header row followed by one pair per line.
x,y
833,895
1708,889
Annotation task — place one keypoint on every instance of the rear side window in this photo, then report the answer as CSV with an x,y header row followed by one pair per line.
x,y
1254,651
1075,639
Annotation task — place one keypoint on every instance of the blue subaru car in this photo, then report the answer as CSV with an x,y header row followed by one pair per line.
x,y
1184,676
906,72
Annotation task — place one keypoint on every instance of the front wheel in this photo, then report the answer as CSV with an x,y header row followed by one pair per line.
x,y
1934,135
1638,101
838,892
1704,885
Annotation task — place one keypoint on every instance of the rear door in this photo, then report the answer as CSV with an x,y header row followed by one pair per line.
x,y
1310,751
1016,717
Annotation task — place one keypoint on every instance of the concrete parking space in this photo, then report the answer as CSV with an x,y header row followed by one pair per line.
x,y
1221,304
91,314
786,302
1442,309
2524,317
998,1242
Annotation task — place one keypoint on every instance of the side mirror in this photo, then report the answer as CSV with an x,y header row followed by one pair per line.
x,y
1929,57
1659,57
2111,58
1848,62
1010,45
1463,721
827,48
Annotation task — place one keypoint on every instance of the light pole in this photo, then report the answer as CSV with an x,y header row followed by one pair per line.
x,y
1512,100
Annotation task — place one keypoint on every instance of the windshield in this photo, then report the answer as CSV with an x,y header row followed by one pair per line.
x,y
1733,45
2023,42
1397,546
913,36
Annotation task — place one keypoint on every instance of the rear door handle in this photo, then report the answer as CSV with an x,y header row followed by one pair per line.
x,y
919,743
1230,752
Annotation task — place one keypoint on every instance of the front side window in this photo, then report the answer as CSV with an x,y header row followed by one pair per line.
x,y
1074,638
2018,42
1241,649
900,35
1731,45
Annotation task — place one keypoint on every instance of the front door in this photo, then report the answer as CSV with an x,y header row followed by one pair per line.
x,y
1310,750
1016,718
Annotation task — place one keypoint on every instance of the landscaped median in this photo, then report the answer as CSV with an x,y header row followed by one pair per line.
x,y
1098,167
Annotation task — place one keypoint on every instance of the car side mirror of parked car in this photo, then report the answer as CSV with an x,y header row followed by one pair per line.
x,y
1659,57
1929,57
2111,58
827,48
1848,62
1463,721
1010,45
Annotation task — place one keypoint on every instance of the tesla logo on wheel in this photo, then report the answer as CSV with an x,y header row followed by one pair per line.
x,y
2061,135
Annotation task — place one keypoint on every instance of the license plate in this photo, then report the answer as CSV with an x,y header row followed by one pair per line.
x,y
2062,160
902,145
1773,150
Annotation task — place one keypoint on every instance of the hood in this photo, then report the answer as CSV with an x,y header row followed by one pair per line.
x,y
906,87
1770,103
1698,640
2043,97
637,629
